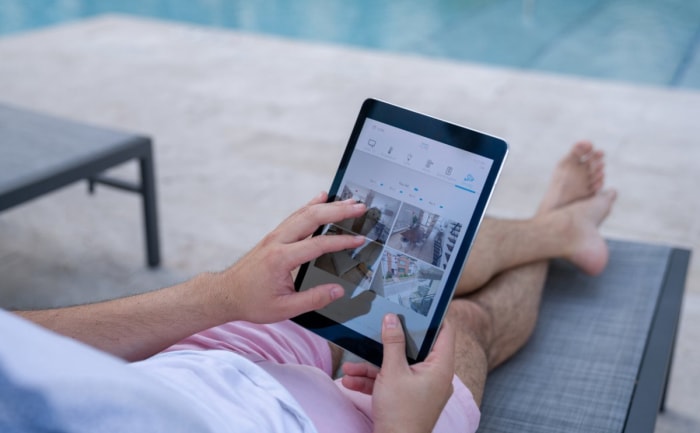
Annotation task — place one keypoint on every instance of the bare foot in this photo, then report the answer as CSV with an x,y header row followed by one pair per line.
x,y
577,176
587,248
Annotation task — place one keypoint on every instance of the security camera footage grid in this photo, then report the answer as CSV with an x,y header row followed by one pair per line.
x,y
405,252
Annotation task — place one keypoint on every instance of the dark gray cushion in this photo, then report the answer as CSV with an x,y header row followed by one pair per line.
x,y
578,371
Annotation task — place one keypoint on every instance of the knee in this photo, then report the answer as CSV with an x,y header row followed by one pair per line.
x,y
472,321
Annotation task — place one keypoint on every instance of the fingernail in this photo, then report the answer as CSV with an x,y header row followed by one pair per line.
x,y
359,206
336,292
391,321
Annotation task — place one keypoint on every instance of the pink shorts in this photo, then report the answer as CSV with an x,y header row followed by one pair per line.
x,y
301,361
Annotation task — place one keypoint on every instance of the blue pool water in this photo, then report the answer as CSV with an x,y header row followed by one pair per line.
x,y
653,42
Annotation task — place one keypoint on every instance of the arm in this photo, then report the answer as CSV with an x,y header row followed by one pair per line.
x,y
405,398
258,288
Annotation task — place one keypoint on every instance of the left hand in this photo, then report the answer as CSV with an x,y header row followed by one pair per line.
x,y
260,287
406,398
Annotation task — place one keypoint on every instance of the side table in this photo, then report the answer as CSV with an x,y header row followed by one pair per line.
x,y
41,153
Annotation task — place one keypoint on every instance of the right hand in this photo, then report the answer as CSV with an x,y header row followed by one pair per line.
x,y
260,287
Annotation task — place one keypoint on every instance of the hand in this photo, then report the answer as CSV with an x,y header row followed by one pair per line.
x,y
405,398
260,287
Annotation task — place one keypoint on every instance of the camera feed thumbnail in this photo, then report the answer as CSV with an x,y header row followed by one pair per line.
x,y
376,223
407,281
424,235
356,266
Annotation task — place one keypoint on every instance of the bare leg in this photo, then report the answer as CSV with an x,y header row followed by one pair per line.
x,y
494,322
567,233
504,244
483,341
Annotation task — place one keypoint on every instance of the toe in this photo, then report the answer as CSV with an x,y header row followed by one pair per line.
x,y
581,149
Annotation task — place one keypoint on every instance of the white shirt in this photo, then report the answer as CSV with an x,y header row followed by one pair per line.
x,y
50,382
232,392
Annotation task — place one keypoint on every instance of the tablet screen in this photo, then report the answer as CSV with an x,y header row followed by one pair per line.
x,y
425,198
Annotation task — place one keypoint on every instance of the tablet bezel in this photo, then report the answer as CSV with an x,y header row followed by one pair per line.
x,y
451,134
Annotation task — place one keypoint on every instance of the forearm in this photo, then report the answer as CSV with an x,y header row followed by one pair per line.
x,y
139,326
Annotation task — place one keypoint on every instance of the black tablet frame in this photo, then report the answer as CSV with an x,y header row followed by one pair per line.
x,y
460,137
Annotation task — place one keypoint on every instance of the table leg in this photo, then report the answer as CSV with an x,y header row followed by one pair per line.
x,y
150,215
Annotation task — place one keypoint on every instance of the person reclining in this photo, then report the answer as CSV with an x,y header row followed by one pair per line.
x,y
219,350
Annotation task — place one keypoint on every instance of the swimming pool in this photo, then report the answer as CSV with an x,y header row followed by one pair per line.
x,y
653,42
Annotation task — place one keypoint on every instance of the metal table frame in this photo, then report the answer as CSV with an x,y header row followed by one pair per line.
x,y
112,148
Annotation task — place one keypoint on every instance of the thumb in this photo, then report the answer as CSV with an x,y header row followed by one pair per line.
x,y
394,344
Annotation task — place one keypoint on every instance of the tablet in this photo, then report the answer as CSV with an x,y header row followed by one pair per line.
x,y
426,184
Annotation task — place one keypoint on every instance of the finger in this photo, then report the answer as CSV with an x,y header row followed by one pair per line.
x,y
394,344
308,219
362,369
311,299
305,221
361,384
309,249
322,197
